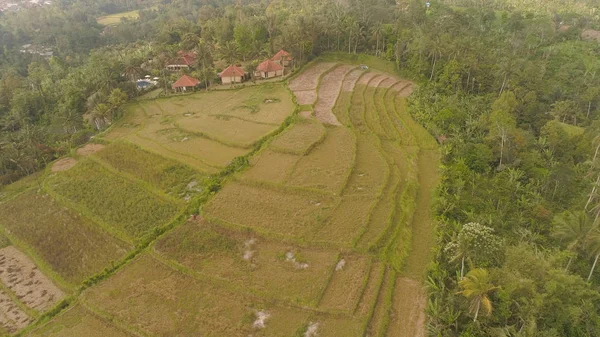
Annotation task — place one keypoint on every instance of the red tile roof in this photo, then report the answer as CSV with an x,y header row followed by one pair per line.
x,y
233,71
282,54
183,58
185,81
269,66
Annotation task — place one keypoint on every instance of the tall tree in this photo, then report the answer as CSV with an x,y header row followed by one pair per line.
x,y
476,287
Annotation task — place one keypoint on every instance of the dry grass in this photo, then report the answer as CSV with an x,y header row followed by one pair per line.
x,y
225,129
168,175
371,171
163,302
73,246
270,210
338,326
112,200
270,166
328,165
371,290
309,78
250,263
78,321
347,221
345,287
300,138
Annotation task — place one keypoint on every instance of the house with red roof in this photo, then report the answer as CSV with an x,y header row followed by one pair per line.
x,y
233,74
183,61
185,83
269,69
283,57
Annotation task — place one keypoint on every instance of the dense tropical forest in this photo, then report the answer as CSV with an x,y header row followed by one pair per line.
x,y
510,89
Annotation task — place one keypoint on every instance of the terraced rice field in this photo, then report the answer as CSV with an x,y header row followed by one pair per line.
x,y
327,232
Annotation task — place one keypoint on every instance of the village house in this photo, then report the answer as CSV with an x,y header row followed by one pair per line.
x,y
284,58
183,61
268,69
233,74
185,83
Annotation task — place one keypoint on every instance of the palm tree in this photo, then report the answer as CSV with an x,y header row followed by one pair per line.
x,y
476,287
229,52
572,229
593,247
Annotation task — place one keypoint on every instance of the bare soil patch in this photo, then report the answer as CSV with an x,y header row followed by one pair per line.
x,y
328,94
12,318
309,79
306,97
590,34
409,309
89,149
376,81
350,80
366,78
63,164
22,276
387,83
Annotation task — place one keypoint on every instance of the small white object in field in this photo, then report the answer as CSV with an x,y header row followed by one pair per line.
x,y
312,330
261,317
289,256
340,265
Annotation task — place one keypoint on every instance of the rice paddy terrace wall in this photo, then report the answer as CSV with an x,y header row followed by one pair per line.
x,y
326,232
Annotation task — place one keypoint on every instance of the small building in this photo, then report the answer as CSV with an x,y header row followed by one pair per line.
x,y
183,61
185,83
268,69
233,74
283,57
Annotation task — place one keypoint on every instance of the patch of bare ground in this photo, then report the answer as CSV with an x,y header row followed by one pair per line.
x,y
366,78
590,34
306,114
376,80
350,80
23,278
404,88
88,149
408,310
388,82
306,97
63,164
12,318
309,79
329,91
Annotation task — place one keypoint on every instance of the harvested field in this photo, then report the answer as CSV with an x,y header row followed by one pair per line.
x,y
271,210
306,97
251,263
271,166
328,92
341,108
112,200
309,78
88,149
300,138
347,221
338,326
168,175
12,318
78,321
366,78
379,321
408,309
371,290
24,279
388,82
63,164
134,117
351,79
160,301
43,224
227,130
328,165
204,154
371,171
345,287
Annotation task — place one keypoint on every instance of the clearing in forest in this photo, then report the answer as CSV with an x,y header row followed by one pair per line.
x,y
326,233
